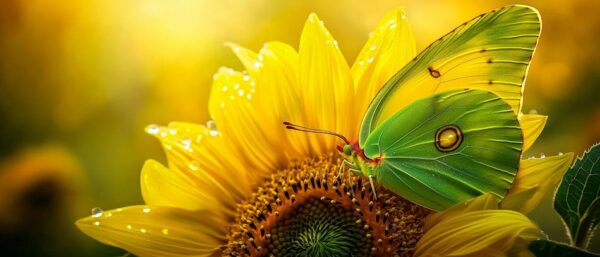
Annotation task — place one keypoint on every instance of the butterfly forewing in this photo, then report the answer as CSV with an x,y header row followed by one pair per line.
x,y
491,52
447,148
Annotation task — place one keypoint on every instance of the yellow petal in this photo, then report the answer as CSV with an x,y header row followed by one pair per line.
x,y
241,122
203,158
389,48
157,231
162,186
326,83
535,179
484,202
532,126
276,98
479,233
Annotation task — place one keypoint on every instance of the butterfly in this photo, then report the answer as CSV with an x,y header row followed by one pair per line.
x,y
444,128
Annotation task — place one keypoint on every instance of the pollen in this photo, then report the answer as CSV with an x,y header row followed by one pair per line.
x,y
309,209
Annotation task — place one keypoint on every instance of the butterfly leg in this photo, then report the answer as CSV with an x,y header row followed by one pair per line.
x,y
372,187
341,169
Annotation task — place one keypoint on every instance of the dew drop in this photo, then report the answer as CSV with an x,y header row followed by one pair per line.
x,y
542,155
173,132
146,210
249,96
241,92
560,153
129,226
224,88
97,223
97,212
252,83
187,143
236,86
143,230
371,59
373,47
165,231
194,165
261,57
533,111
257,64
212,128
361,62
246,78
152,129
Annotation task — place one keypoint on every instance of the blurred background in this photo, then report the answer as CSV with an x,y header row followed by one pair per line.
x,y
80,79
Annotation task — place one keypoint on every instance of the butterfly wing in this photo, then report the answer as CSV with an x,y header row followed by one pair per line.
x,y
491,52
416,165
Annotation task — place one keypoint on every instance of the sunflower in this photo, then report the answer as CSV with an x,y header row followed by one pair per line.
x,y
243,186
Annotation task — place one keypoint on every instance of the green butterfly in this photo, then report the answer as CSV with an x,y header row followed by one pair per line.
x,y
444,129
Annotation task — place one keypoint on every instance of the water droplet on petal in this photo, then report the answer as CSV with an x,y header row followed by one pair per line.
x,y
371,59
542,155
246,78
152,129
560,153
249,96
361,62
533,111
172,131
97,212
194,165
165,231
241,92
373,47
224,88
143,230
212,128
129,226
187,143
257,64
97,223
146,210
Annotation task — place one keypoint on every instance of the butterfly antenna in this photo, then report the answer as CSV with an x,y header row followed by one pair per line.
x,y
289,125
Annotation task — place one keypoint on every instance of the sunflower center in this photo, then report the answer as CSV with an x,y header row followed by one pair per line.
x,y
308,210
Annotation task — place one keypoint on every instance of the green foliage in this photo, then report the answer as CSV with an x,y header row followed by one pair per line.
x,y
577,199
545,248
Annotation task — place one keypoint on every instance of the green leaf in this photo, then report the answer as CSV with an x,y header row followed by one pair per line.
x,y
577,199
544,248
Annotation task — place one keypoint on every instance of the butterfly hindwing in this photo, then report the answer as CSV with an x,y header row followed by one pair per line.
x,y
491,52
437,175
